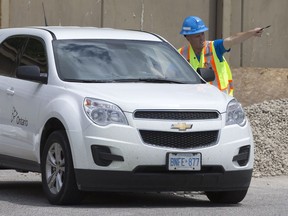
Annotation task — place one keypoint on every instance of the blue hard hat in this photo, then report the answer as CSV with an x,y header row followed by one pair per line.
x,y
193,25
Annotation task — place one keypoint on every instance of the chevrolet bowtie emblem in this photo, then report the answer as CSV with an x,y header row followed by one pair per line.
x,y
181,126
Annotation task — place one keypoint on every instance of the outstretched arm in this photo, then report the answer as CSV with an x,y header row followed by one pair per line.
x,y
241,36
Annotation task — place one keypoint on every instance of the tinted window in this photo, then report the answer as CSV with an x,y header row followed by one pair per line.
x,y
120,60
9,50
35,54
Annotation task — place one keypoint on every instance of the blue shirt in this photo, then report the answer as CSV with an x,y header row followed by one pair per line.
x,y
219,48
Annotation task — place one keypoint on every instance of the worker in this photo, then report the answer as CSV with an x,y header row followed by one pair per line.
x,y
209,54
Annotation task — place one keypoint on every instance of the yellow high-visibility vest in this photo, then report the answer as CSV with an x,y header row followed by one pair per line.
x,y
208,59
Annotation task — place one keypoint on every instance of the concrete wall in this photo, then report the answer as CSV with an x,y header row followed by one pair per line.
x,y
58,12
271,50
162,17
165,17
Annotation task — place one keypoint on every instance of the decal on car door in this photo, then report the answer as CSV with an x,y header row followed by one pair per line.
x,y
17,119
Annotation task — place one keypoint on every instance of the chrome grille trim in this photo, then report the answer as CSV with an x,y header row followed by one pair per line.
x,y
176,115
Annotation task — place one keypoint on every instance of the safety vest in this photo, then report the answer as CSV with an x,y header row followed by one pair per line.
x,y
208,59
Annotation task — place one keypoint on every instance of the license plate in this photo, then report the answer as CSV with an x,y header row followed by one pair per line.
x,y
184,161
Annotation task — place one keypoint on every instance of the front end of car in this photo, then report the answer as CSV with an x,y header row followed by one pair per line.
x,y
171,149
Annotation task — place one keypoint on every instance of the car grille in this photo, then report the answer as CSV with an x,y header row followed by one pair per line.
x,y
174,115
180,140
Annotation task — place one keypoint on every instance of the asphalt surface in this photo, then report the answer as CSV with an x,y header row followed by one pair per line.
x,y
21,194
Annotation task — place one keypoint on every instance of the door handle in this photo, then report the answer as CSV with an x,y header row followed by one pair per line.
x,y
10,91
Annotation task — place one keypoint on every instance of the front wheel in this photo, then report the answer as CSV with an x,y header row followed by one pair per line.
x,y
227,197
57,169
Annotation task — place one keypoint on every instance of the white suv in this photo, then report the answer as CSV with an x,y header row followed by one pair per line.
x,y
111,110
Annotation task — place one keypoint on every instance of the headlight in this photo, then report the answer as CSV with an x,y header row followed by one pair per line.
x,y
235,114
103,113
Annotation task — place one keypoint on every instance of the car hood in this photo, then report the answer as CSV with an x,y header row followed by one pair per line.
x,y
132,96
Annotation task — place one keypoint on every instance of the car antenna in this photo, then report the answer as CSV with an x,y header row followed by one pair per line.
x,y
46,24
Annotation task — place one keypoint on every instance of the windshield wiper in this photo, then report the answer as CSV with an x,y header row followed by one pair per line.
x,y
88,81
150,80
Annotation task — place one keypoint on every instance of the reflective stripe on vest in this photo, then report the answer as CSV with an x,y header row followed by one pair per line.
x,y
210,63
185,52
223,76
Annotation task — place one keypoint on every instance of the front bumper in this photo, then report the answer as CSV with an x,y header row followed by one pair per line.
x,y
210,179
125,142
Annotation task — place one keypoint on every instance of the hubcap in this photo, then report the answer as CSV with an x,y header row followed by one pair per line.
x,y
55,168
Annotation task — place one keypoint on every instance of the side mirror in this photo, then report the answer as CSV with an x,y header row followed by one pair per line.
x,y
207,74
31,72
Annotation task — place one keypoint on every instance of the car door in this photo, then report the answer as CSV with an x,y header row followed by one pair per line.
x,y
9,51
25,101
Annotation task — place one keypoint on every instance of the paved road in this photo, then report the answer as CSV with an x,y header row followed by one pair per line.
x,y
21,194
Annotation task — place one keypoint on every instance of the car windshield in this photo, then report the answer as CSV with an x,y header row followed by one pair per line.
x,y
121,61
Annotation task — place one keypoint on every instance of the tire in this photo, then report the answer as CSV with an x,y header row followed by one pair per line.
x,y
226,197
58,178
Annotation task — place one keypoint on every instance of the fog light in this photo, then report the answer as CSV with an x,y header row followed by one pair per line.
x,y
243,156
102,155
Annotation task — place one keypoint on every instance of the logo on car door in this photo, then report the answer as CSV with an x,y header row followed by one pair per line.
x,y
17,119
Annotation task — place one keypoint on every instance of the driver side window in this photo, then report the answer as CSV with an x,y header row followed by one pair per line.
x,y
9,54
35,54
